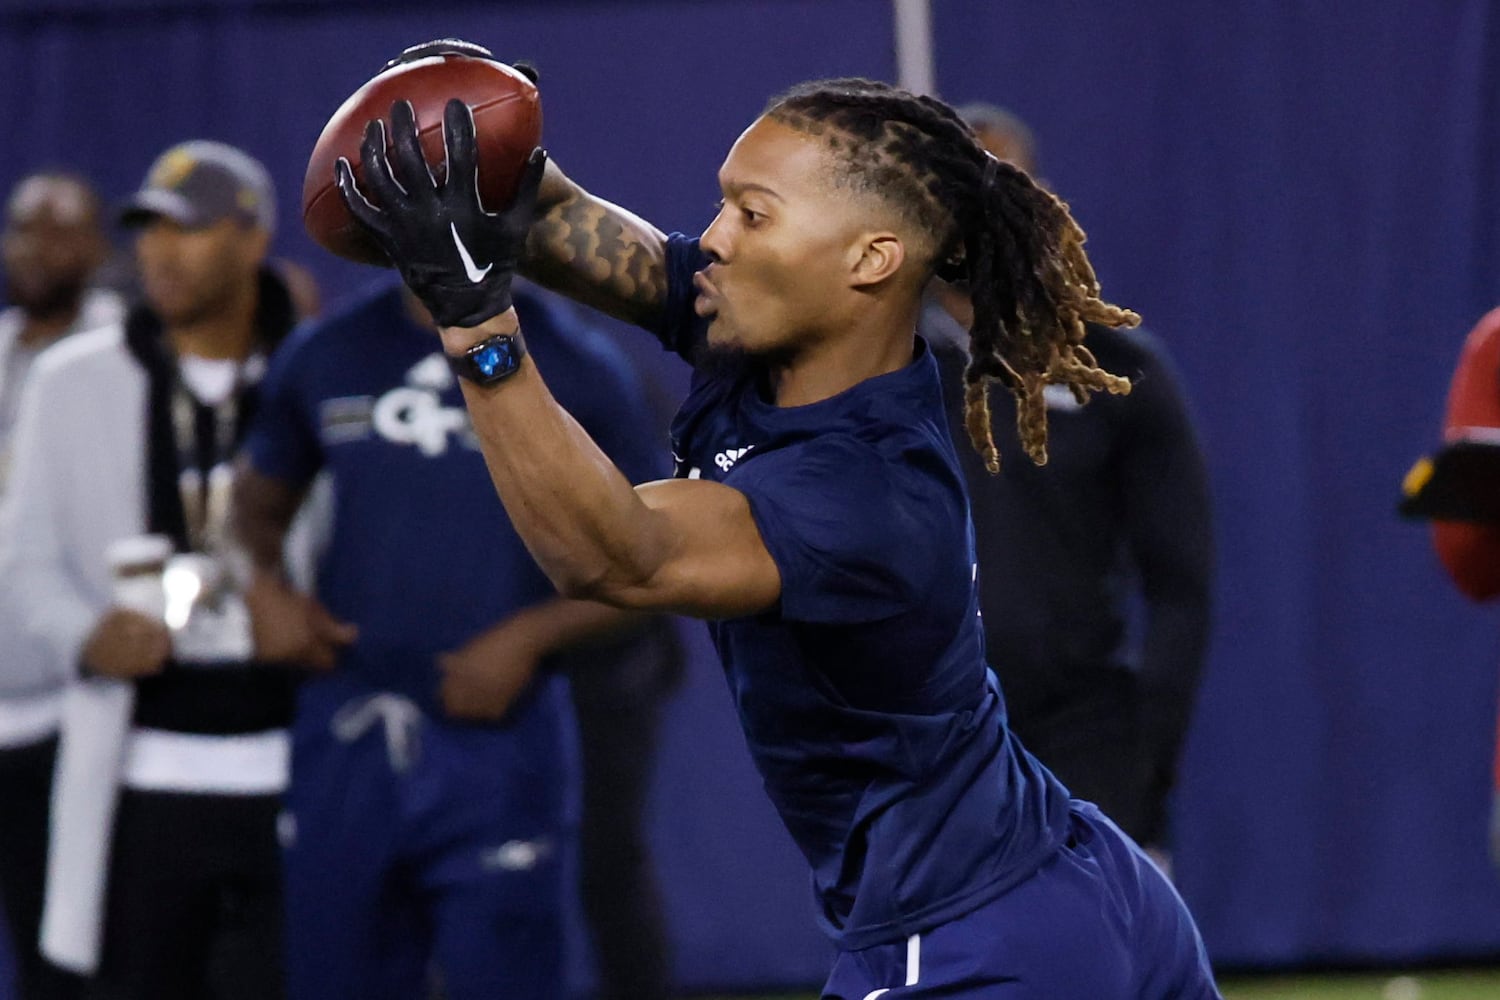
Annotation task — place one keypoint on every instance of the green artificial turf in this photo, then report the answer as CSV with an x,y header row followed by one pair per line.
x,y
1464,985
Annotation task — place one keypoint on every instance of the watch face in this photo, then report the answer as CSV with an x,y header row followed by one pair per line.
x,y
497,356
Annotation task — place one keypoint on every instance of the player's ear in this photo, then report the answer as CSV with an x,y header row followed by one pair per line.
x,y
262,243
254,246
880,256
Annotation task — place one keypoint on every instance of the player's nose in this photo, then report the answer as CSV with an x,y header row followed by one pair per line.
x,y
714,241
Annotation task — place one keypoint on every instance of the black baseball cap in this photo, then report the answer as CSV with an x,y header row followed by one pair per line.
x,y
195,184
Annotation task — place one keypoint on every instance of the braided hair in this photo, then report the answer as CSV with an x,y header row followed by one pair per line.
x,y
1013,243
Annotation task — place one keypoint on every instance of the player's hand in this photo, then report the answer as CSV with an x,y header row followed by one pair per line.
x,y
127,645
288,626
458,258
483,679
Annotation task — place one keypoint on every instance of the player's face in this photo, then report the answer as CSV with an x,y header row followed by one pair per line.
x,y
781,244
193,275
50,245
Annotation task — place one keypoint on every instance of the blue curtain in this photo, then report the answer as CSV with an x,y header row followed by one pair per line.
x,y
1304,201
1303,204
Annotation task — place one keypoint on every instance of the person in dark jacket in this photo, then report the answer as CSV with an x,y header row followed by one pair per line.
x,y
1115,529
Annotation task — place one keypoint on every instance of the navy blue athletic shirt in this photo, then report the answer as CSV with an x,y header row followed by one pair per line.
x,y
422,556
876,725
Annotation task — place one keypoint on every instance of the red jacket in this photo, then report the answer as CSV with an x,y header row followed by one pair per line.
x,y
1471,552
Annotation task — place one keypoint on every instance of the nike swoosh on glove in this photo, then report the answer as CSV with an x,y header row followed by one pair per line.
x,y
457,257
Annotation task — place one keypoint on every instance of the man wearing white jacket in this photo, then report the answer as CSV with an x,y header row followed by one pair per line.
x,y
51,245
173,748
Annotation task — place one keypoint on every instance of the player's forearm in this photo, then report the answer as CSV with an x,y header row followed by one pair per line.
x,y
563,623
261,514
580,518
595,252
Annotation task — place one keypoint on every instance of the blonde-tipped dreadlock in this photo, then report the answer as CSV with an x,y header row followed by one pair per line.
x,y
1014,243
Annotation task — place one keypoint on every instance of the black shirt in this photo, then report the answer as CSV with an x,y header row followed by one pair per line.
x,y
1121,509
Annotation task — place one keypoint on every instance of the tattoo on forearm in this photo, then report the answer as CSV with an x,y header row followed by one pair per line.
x,y
583,248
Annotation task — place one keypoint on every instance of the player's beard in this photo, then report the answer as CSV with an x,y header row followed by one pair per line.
x,y
719,359
51,300
198,305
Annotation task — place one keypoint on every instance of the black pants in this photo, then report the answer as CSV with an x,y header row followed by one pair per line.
x,y
25,802
194,900
618,698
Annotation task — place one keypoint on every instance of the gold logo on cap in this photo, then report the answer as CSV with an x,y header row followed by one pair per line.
x,y
172,169
247,200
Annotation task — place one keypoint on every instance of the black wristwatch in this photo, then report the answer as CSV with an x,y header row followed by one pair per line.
x,y
489,361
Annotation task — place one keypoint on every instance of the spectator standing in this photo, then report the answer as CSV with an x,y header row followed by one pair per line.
x,y
52,244
1470,551
1118,519
434,770
163,877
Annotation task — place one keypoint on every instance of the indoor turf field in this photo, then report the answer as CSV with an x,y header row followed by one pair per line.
x,y
1457,985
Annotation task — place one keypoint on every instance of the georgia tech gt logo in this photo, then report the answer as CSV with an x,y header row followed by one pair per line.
x,y
416,416
414,413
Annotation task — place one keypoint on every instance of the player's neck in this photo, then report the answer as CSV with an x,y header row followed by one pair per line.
x,y
831,365
41,328
228,335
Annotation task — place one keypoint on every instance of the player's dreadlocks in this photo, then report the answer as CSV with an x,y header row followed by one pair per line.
x,y
1015,244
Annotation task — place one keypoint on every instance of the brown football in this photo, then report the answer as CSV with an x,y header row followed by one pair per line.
x,y
507,123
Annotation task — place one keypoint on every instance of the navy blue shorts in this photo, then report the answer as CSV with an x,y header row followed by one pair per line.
x,y
1097,922
412,843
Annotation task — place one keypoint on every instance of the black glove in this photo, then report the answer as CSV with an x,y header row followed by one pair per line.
x,y
457,258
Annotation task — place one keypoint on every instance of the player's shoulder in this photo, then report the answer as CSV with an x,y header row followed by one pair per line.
x,y
1128,346
1486,333
876,465
1139,355
351,323
1489,323
343,338
101,350
100,307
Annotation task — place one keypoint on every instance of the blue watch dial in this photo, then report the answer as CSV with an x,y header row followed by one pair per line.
x,y
490,360
492,357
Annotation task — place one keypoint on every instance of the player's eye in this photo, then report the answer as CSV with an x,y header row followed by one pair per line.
x,y
752,217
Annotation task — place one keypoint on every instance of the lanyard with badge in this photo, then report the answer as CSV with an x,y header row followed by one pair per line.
x,y
209,620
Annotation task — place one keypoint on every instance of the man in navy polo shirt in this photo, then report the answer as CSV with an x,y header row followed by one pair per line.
x,y
434,772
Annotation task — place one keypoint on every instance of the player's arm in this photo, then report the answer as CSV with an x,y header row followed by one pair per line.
x,y
685,546
1471,552
596,252
261,514
286,625
483,678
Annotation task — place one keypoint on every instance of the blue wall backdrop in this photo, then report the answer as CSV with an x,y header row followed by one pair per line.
x,y
1305,205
